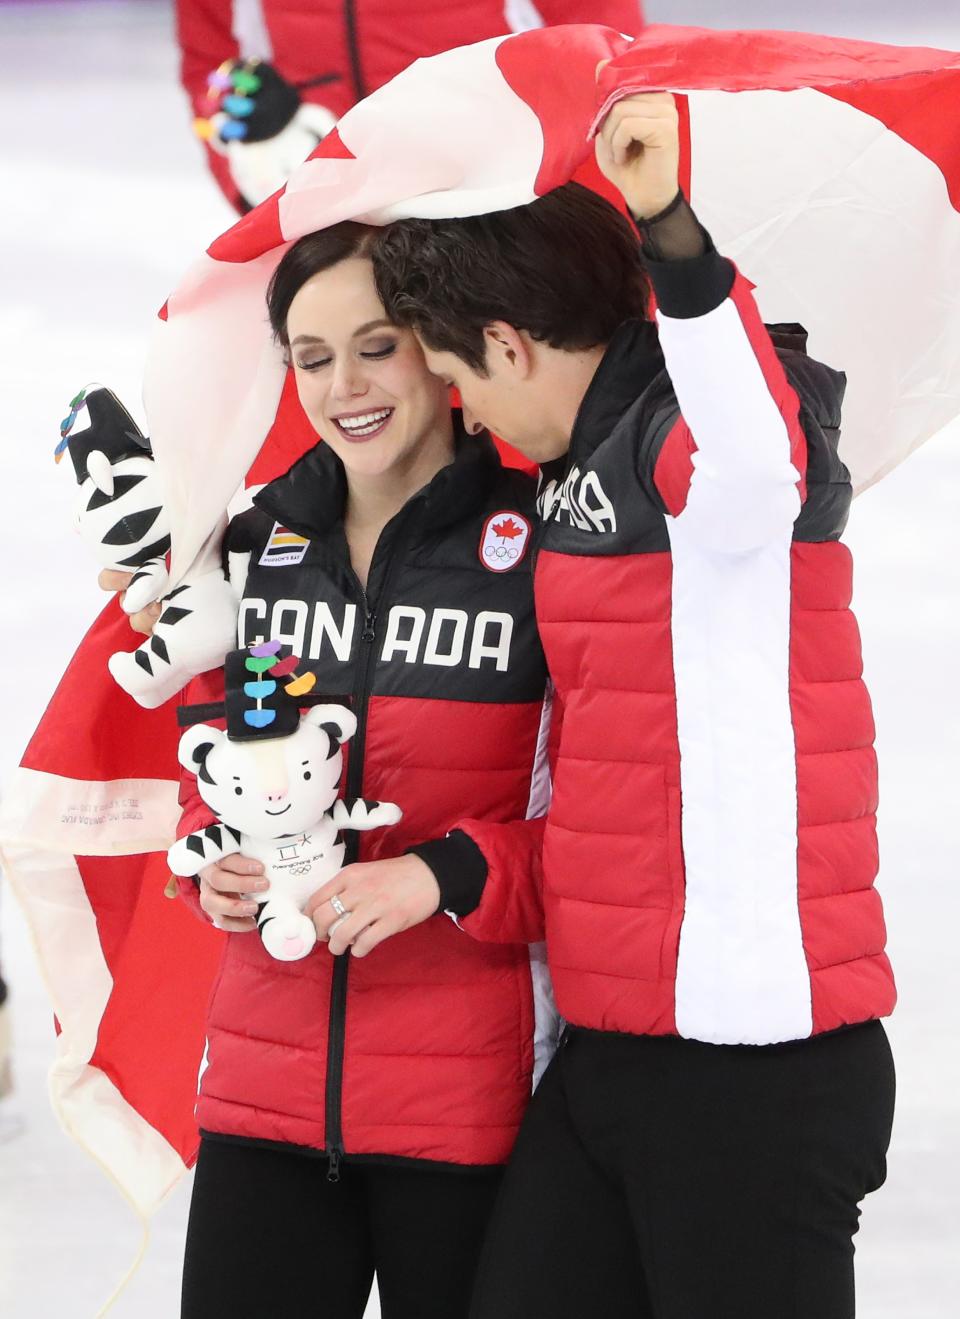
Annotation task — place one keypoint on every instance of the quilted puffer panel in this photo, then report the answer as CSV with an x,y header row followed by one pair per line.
x,y
613,853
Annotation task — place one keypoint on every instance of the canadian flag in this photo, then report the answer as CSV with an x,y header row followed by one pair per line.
x,y
829,169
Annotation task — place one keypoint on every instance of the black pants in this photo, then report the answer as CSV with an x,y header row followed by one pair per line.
x,y
660,1178
270,1237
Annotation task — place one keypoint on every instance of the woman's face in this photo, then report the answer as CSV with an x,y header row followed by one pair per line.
x,y
362,381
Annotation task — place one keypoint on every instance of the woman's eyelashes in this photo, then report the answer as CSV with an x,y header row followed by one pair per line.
x,y
378,354
369,354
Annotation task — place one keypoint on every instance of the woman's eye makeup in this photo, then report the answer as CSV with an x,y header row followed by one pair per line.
x,y
375,353
378,352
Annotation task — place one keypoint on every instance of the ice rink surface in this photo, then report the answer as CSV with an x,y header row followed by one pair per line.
x,y
105,200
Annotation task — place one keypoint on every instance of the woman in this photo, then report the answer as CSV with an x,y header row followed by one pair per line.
x,y
356,1111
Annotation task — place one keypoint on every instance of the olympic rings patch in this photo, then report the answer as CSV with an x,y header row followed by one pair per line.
x,y
504,540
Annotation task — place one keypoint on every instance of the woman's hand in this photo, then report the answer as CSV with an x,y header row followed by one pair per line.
x,y
143,621
221,892
381,898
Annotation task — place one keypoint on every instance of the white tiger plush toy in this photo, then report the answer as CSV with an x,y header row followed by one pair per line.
x,y
120,511
272,779
120,515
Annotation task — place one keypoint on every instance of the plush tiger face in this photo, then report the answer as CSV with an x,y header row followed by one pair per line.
x,y
120,514
268,787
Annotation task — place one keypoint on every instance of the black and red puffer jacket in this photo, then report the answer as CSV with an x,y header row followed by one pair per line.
x,y
339,51
710,852
425,1048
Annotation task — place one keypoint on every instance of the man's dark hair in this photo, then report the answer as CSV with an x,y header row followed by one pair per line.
x,y
308,257
566,268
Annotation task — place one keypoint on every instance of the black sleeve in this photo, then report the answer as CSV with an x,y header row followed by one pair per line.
x,y
688,275
460,869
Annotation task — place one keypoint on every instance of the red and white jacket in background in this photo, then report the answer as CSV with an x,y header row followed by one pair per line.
x,y
355,46
709,856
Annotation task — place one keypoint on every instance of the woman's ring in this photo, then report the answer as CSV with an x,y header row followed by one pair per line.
x,y
338,906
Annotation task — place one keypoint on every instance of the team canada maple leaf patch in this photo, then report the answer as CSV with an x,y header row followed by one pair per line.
x,y
504,540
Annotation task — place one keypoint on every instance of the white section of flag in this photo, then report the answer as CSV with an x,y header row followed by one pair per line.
x,y
63,925
847,228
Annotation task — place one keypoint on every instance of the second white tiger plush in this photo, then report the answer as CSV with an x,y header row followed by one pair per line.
x,y
272,779
119,511
120,516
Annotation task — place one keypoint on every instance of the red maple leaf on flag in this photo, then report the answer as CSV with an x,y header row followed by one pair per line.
x,y
508,530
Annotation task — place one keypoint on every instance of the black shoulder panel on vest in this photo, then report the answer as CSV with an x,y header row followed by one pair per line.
x,y
829,492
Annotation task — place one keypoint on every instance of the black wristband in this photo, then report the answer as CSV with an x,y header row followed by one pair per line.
x,y
650,220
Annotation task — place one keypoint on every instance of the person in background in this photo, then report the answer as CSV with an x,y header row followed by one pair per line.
x,y
267,79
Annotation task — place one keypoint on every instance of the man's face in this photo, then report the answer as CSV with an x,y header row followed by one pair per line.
x,y
506,401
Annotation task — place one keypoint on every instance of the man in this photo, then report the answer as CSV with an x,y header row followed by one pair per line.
x,y
723,1097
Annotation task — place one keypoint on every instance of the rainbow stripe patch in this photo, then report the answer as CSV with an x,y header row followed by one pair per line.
x,y
285,548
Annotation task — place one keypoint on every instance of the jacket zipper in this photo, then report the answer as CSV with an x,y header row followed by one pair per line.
x,y
353,48
336,1032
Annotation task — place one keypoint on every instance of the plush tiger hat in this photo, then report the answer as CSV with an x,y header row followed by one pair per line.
x,y
110,431
266,687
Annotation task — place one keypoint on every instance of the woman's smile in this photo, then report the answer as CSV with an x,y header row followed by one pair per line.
x,y
360,426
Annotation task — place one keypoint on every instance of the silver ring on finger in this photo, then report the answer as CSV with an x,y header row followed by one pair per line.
x,y
338,906
339,921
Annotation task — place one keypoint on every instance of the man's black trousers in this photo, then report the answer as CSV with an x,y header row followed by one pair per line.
x,y
270,1237
660,1178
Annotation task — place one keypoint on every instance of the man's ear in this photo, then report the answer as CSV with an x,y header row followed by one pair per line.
x,y
507,348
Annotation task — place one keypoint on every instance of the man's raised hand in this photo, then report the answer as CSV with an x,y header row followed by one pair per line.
x,y
638,150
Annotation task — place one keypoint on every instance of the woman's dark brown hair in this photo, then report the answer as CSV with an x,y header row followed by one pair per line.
x,y
566,268
308,257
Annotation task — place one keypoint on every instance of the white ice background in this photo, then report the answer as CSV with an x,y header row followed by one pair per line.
x,y
104,201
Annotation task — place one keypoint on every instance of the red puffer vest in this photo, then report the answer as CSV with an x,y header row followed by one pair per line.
x,y
338,51
710,851
424,1049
